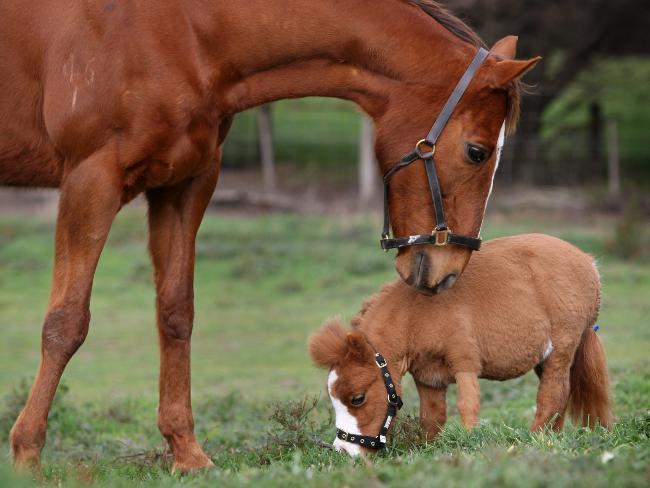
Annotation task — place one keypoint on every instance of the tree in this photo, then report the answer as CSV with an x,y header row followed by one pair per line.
x,y
568,34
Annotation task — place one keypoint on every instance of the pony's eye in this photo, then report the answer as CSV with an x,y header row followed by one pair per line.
x,y
476,154
357,400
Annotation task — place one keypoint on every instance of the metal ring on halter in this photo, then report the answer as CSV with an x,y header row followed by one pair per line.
x,y
425,155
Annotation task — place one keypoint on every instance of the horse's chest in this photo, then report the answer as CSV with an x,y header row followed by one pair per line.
x,y
183,154
433,372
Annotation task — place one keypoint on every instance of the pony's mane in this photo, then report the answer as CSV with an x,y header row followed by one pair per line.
x,y
368,303
461,30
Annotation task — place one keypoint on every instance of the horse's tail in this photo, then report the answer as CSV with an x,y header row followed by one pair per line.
x,y
589,402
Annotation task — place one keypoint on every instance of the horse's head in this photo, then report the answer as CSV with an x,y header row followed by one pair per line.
x,y
354,384
466,158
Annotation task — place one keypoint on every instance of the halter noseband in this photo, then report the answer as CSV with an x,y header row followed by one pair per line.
x,y
394,404
426,150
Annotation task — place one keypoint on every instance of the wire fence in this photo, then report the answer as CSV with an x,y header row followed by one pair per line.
x,y
324,134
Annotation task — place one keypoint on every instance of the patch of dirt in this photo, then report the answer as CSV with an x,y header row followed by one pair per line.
x,y
308,190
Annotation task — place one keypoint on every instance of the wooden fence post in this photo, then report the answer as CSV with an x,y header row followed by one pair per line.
x,y
613,161
368,174
266,147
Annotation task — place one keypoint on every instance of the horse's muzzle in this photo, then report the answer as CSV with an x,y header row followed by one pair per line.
x,y
421,273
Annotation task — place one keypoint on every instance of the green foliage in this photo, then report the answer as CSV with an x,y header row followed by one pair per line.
x,y
310,132
620,86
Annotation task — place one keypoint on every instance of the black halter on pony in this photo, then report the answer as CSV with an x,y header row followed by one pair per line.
x,y
394,404
426,150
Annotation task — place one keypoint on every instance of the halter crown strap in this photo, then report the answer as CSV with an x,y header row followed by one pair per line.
x,y
456,95
441,235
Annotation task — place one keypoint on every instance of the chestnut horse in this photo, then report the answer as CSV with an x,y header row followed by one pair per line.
x,y
108,99
524,302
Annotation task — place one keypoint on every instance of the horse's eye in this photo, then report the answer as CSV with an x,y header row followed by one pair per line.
x,y
476,154
357,400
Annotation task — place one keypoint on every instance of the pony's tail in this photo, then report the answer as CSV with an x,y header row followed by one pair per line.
x,y
589,402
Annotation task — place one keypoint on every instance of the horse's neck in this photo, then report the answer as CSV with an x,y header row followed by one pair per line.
x,y
352,49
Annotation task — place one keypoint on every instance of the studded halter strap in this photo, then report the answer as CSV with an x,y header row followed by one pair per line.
x,y
425,150
394,404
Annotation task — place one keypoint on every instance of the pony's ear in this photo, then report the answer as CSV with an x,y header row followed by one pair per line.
x,y
358,346
505,48
507,71
328,345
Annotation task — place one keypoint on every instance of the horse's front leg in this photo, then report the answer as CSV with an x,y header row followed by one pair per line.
x,y
90,198
433,408
174,218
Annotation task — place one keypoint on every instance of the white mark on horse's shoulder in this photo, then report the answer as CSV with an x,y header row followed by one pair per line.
x,y
344,419
74,97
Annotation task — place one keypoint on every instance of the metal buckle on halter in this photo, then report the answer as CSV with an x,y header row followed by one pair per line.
x,y
425,155
394,403
381,365
442,236
384,236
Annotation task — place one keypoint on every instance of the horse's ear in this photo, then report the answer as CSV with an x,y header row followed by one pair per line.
x,y
328,345
505,48
358,346
507,71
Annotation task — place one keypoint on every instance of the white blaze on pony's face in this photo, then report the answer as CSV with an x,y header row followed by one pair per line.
x,y
344,419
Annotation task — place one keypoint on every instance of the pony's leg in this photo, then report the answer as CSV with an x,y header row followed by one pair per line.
x,y
90,199
469,398
553,392
433,408
174,218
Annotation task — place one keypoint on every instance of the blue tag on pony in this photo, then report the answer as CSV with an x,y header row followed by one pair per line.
x,y
596,328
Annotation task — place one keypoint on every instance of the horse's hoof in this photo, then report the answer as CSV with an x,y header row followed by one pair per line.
x,y
192,466
27,462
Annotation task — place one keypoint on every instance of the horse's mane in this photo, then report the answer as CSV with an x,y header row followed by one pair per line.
x,y
461,30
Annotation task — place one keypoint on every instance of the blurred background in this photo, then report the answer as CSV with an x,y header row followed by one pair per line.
x,y
292,238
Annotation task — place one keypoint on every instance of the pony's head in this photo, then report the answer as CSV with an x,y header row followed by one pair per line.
x,y
466,158
354,384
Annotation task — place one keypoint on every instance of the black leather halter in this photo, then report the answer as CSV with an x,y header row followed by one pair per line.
x,y
394,404
426,150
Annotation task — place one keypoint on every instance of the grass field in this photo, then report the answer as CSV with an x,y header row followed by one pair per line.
x,y
263,284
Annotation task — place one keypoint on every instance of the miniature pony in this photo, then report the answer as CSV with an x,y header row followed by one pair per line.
x,y
524,302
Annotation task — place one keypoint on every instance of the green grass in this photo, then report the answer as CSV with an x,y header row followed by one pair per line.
x,y
263,284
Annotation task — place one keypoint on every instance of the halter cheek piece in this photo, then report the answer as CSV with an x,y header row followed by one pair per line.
x,y
394,404
426,150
